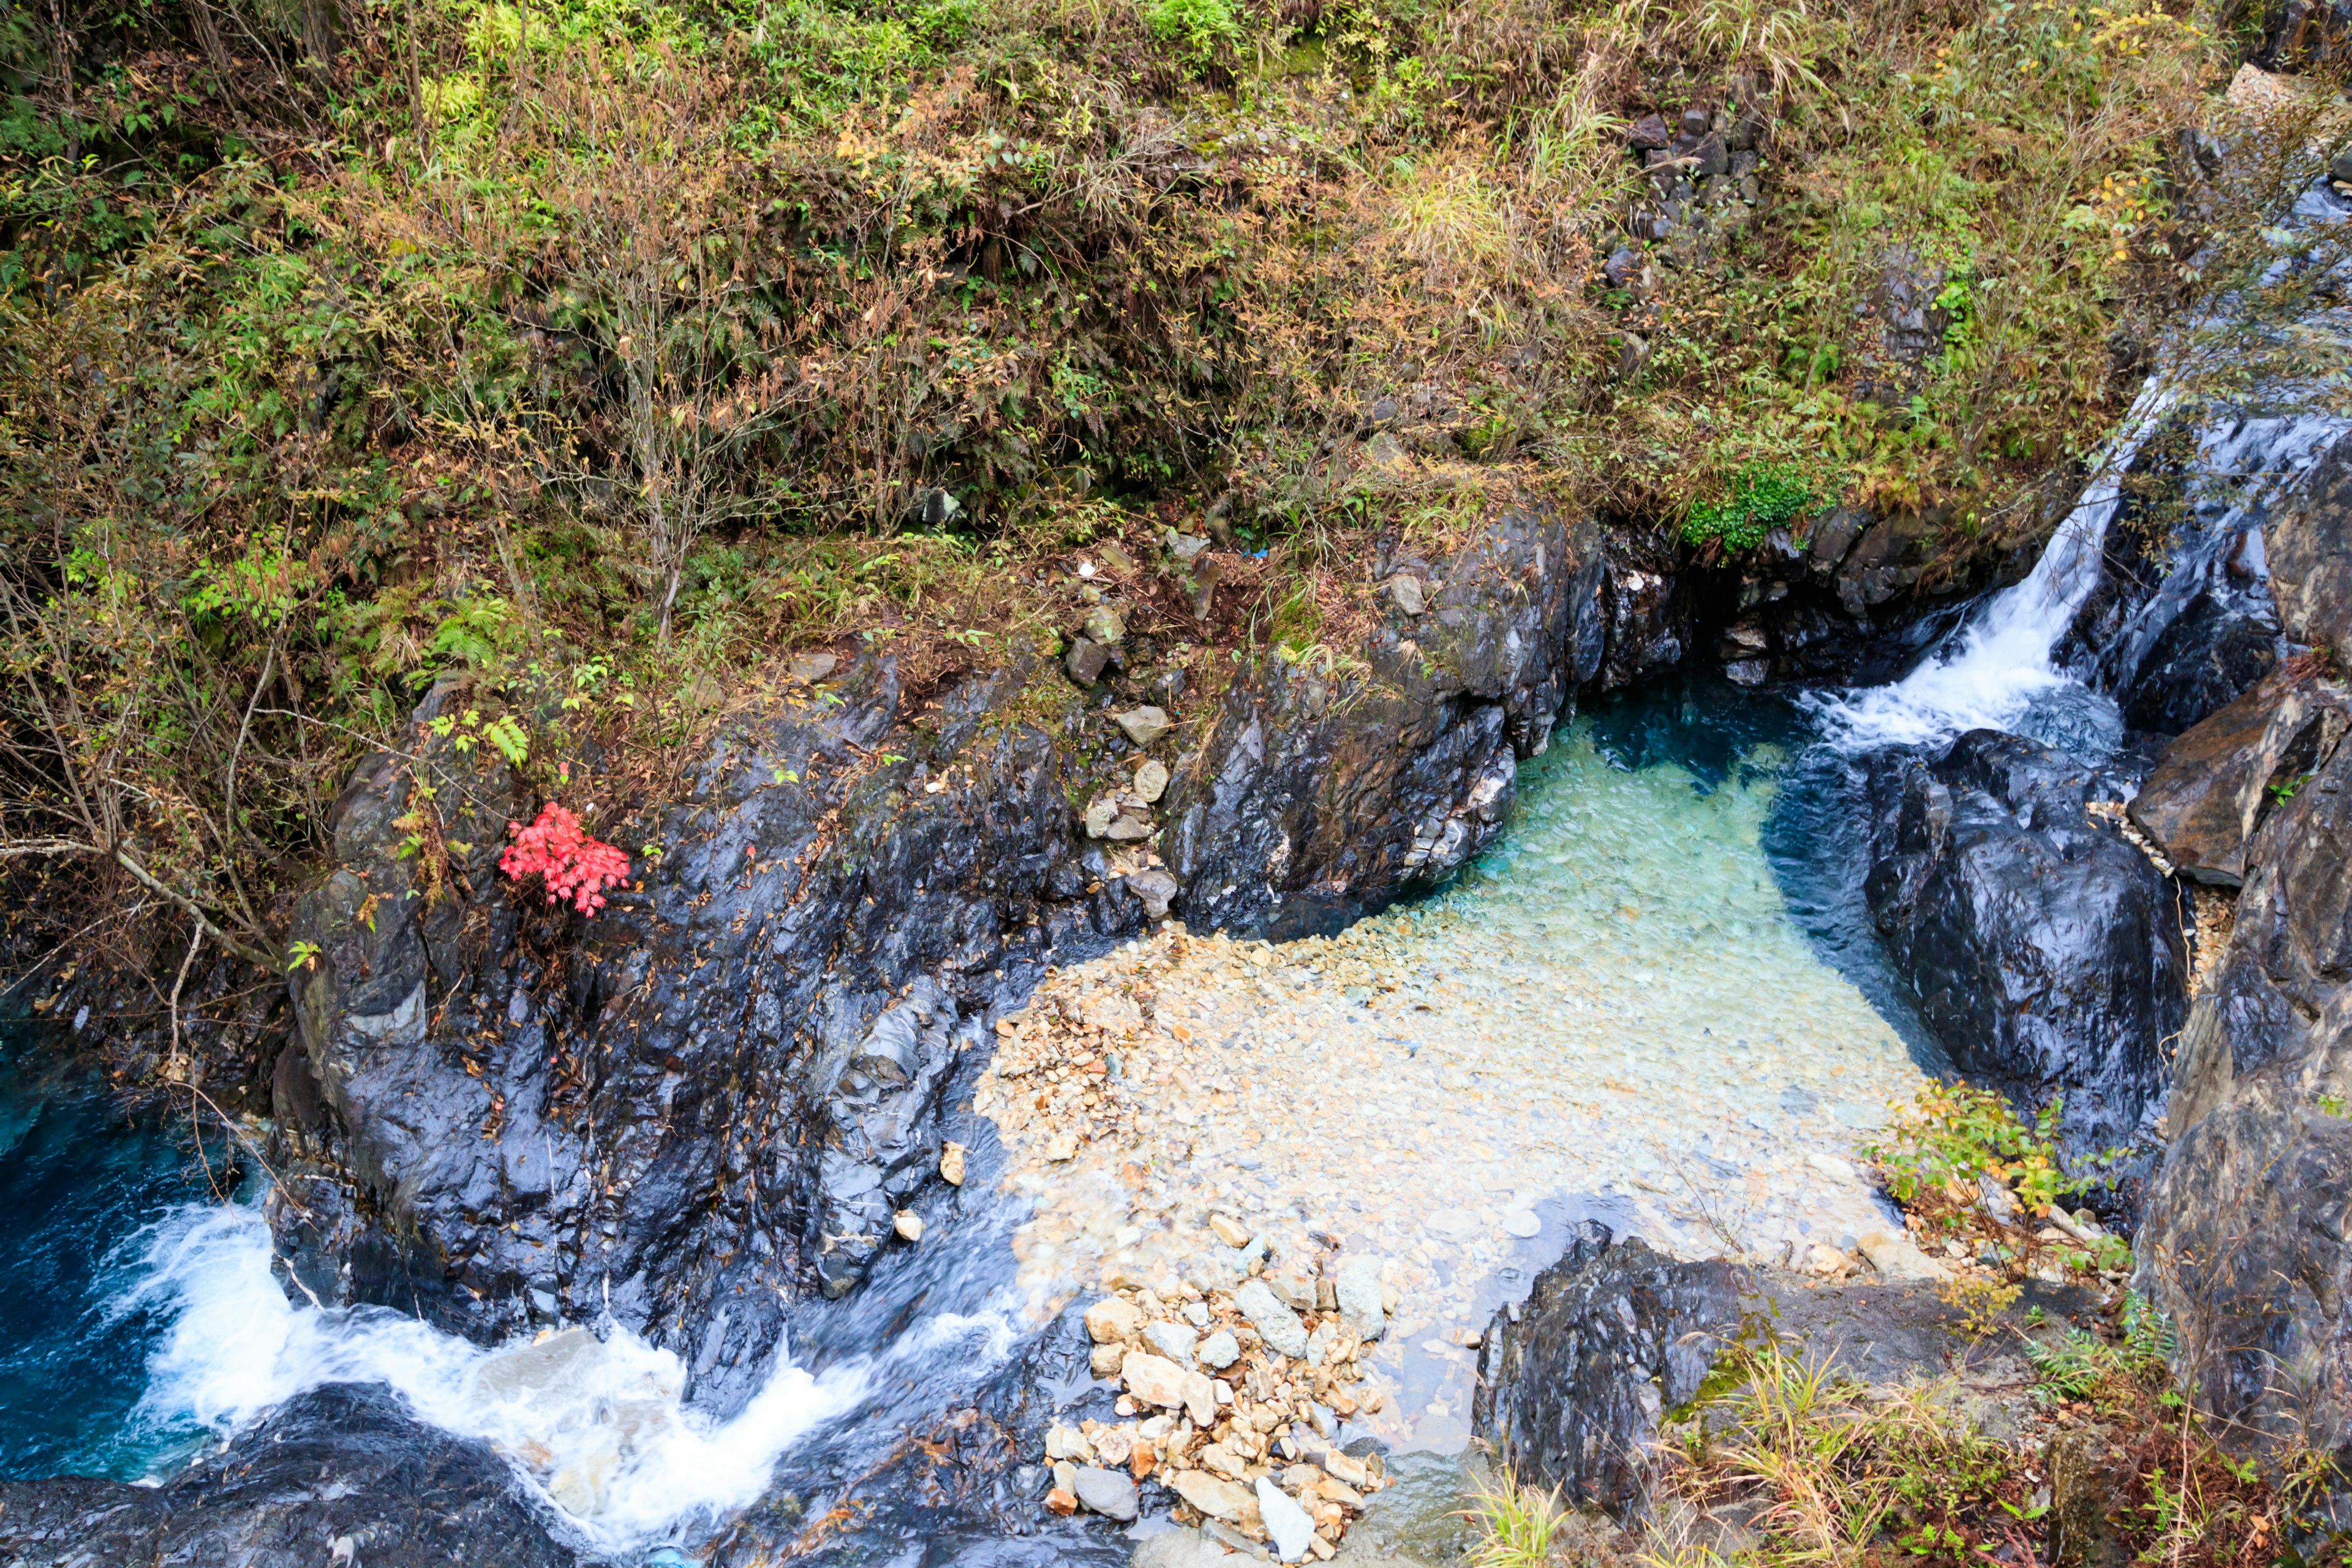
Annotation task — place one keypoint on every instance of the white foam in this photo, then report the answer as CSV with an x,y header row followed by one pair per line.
x,y
594,1422
2002,659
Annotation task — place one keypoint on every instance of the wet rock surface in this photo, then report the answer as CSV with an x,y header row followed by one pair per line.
x,y
2045,951
2214,786
341,1474
1573,1383
2243,1242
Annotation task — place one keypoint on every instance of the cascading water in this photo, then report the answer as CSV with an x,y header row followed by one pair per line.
x,y
2001,660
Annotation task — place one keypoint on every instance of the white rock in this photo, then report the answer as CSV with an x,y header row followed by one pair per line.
x,y
1171,1339
1275,1323
1285,1522
1360,1298
1219,1350
908,1224
1113,1319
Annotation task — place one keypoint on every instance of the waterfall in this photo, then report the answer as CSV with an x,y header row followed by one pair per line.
x,y
1988,677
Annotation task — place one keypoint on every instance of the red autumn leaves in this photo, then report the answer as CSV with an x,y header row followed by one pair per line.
x,y
558,848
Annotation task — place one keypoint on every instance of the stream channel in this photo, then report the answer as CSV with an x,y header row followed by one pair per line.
x,y
1657,1001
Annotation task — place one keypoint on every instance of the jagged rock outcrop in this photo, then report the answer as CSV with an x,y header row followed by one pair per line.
x,y
340,1475
2045,951
709,1100
2213,786
2244,1240
1319,790
1573,1386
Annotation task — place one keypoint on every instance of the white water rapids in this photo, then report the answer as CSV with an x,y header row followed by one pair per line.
x,y
596,1424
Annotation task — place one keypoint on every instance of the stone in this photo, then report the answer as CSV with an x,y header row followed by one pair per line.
x,y
1144,725
1185,547
1897,1258
1156,888
2249,1220
908,1224
951,1164
2045,951
1085,661
1295,1290
1127,828
1291,1529
1150,781
1219,1350
1213,1495
1648,133
811,667
1065,1442
1611,1337
1061,1500
1113,1320
1103,626
1522,1223
2216,782
1275,1323
1404,589
1319,1345
1104,1360
1154,1380
1100,813
1229,1230
1171,1339
1360,1298
1116,559
1696,120
1062,1146
1107,1492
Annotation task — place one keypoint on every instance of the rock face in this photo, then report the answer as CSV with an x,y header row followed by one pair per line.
x,y
1317,794
2045,951
710,1098
2216,783
338,1464
715,1096
1614,1335
2244,1240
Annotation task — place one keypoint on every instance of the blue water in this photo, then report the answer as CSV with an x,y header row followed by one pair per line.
x,y
80,1184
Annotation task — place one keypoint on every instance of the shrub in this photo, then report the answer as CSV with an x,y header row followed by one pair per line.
x,y
575,865
1764,497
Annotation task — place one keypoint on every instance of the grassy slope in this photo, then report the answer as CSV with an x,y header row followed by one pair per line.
x,y
627,341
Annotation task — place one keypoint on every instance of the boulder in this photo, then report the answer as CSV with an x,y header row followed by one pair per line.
x,y
2243,1237
2215,784
1320,792
338,1462
1612,1335
2045,951
2308,551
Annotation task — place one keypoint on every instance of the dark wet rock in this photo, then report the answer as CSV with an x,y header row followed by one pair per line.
x,y
338,1463
1889,560
2243,1242
2091,1477
690,1109
1612,1336
1319,790
2215,784
2045,951
2308,540
1649,623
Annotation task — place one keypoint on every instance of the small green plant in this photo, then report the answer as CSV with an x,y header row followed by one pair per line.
x,y
1764,496
1953,1136
1196,27
2078,1364
505,734
1516,1522
302,955
2284,791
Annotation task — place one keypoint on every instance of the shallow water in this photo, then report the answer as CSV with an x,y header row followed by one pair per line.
x,y
1641,1006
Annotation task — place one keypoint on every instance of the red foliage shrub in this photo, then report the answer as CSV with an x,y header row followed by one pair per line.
x,y
575,865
